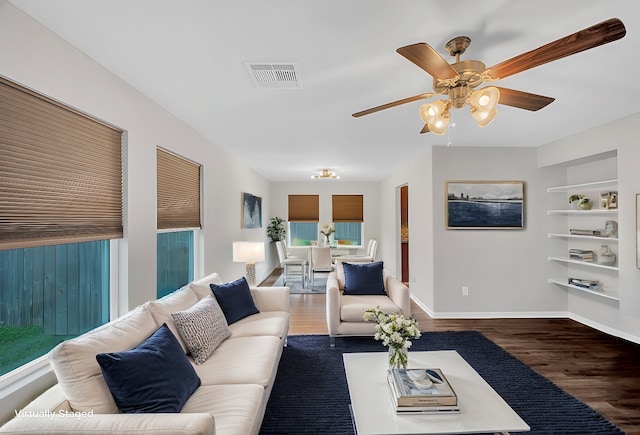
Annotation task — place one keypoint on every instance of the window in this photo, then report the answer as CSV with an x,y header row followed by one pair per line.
x,y
175,260
302,233
61,184
50,294
178,215
304,214
348,233
348,216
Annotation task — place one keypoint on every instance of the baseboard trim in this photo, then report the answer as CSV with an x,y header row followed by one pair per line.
x,y
531,315
604,328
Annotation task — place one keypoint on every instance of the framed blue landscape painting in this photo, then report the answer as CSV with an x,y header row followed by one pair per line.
x,y
484,204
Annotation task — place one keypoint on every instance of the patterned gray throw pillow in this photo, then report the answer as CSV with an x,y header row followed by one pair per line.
x,y
202,328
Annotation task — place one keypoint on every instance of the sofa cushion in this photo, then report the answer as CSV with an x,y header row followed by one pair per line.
x,y
363,279
238,409
245,360
162,308
235,299
353,307
202,287
202,327
75,366
155,376
274,323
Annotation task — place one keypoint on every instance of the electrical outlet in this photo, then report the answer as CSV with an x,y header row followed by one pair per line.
x,y
465,290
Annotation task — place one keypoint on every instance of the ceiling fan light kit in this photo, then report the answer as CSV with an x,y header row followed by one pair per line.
x,y
458,81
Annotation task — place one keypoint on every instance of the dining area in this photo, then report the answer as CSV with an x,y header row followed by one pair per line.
x,y
304,262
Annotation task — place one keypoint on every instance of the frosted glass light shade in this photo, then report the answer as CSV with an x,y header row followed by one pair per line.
x,y
483,118
431,111
439,126
485,99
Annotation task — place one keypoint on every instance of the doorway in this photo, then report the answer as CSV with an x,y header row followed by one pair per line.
x,y
404,233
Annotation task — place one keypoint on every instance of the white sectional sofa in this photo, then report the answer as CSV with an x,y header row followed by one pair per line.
x,y
235,381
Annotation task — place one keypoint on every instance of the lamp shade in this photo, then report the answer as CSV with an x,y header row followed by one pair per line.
x,y
431,111
483,118
485,99
248,252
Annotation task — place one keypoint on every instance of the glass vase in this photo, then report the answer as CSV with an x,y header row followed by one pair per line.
x,y
398,357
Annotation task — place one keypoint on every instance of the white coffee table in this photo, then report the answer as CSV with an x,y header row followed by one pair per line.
x,y
482,410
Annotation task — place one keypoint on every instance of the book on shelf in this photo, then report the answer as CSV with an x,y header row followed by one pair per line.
x,y
585,283
579,232
421,390
582,255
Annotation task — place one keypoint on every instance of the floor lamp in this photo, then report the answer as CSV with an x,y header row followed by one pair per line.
x,y
249,253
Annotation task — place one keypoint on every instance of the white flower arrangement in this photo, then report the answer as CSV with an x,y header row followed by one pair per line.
x,y
327,229
395,331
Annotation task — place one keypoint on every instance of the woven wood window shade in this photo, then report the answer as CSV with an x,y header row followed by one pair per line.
x,y
178,191
347,208
60,172
304,208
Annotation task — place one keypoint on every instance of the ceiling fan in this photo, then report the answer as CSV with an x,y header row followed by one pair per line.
x,y
459,80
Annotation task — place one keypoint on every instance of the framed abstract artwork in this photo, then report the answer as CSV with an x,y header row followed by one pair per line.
x,y
251,211
484,204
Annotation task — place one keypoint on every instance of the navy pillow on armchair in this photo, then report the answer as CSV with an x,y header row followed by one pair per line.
x,y
235,299
363,278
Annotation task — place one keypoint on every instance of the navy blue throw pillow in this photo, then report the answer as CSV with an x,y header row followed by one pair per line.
x,y
363,279
155,376
235,299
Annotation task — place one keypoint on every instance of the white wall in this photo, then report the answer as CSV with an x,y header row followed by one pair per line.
x,y
34,57
417,176
504,269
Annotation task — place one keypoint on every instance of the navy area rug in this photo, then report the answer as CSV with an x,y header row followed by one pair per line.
x,y
310,394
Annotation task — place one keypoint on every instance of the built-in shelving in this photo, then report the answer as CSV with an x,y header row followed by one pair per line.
x,y
583,212
579,236
606,184
607,295
605,273
583,263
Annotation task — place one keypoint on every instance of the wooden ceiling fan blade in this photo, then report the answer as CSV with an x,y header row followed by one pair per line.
x,y
393,104
425,129
429,60
591,37
523,100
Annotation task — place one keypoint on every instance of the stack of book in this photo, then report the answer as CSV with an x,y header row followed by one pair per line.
x,y
421,391
585,283
582,255
579,232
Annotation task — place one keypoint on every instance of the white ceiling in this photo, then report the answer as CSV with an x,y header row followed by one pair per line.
x,y
188,56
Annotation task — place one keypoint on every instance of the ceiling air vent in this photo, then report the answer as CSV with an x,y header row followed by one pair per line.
x,y
274,75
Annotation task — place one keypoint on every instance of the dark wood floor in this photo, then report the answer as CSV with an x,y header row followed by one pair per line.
x,y
600,370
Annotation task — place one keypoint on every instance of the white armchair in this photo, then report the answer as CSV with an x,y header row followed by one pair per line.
x,y
344,312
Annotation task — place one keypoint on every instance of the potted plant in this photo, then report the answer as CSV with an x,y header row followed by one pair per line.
x,y
584,203
276,230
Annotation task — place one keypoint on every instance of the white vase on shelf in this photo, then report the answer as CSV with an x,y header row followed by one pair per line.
x,y
606,257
